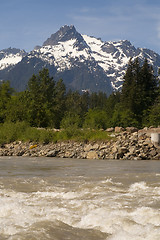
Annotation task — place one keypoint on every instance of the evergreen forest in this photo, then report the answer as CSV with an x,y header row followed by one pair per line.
x,y
46,103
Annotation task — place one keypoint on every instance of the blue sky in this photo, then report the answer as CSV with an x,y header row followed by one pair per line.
x,y
27,23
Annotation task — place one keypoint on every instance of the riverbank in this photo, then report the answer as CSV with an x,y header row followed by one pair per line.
x,y
128,144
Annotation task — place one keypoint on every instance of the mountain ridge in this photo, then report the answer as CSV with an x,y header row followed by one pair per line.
x,y
83,62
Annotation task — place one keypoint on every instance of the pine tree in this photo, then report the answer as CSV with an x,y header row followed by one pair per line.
x,y
129,89
139,89
147,85
41,99
5,97
59,102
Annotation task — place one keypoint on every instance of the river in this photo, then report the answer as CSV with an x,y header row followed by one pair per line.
x,y
71,199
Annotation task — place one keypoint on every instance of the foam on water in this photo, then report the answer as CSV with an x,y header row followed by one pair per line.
x,y
138,187
105,206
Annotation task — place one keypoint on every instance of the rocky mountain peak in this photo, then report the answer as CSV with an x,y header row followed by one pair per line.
x,y
13,51
83,62
64,34
10,57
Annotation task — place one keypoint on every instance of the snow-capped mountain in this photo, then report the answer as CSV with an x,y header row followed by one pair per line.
x,y
10,57
82,62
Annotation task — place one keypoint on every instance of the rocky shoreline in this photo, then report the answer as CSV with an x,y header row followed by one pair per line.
x,y
128,144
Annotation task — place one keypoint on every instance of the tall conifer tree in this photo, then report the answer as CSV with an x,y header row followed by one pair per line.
x,y
139,88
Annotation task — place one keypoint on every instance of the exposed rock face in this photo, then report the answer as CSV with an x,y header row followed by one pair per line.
x,y
83,62
126,145
64,34
92,155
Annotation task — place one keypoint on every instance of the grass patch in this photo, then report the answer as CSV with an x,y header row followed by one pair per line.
x,y
21,131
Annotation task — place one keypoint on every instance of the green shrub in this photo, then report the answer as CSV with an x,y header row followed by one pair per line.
x,y
83,135
154,117
96,119
21,131
10,132
71,120
47,136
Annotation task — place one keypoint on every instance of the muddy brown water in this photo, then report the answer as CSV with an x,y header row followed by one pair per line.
x,y
73,199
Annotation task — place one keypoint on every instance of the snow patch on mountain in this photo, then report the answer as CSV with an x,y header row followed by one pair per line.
x,y
109,56
95,63
62,54
66,48
10,57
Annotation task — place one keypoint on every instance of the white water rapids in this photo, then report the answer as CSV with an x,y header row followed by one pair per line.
x,y
62,199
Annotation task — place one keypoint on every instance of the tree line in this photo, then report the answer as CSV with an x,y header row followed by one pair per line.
x,y
45,103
